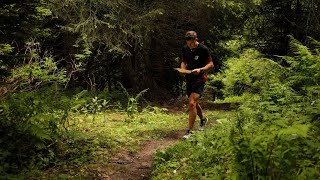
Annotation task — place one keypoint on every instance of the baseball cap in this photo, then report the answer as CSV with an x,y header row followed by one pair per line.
x,y
190,35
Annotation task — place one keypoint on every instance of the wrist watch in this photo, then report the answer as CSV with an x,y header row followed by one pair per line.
x,y
201,70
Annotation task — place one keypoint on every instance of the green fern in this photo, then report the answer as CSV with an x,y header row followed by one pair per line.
x,y
132,102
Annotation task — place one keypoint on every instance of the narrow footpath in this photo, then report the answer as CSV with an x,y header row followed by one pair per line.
x,y
138,166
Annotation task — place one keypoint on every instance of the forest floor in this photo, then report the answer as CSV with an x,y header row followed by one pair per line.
x,y
138,166
127,165
112,146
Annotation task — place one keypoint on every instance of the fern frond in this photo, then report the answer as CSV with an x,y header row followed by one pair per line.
x,y
314,43
298,49
123,89
296,129
80,94
141,94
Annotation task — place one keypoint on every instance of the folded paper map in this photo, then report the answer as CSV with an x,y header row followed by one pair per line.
x,y
183,71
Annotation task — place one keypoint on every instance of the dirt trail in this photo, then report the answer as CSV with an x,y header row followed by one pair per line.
x,y
138,166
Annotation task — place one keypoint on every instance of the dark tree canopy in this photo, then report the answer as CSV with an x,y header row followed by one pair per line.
x,y
138,43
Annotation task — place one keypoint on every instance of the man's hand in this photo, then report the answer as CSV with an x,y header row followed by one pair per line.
x,y
196,71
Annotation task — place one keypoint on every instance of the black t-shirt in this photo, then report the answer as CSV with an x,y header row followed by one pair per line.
x,y
196,58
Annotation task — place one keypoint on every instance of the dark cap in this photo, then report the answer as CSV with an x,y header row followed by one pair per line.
x,y
191,35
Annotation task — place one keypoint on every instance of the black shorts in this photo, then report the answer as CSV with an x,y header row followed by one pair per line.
x,y
196,87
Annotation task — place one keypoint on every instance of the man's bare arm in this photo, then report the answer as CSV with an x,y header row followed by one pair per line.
x,y
183,65
205,68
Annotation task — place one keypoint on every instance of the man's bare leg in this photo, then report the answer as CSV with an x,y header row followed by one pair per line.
x,y
193,101
203,121
199,111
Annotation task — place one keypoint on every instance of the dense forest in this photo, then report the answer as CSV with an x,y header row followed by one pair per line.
x,y
67,63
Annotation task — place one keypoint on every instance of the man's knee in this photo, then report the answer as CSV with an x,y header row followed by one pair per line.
x,y
192,104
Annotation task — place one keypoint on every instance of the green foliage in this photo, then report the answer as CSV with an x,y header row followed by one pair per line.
x,y
38,70
96,105
206,156
92,139
284,119
85,102
44,127
272,141
271,21
95,21
214,87
273,136
38,73
132,102
96,45
22,21
304,68
250,73
30,126
5,49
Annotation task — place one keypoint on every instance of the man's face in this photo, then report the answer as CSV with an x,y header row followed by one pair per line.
x,y
191,43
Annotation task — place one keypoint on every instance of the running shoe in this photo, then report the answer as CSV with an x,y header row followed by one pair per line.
x,y
203,123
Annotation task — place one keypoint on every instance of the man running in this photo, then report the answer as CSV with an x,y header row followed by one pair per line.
x,y
196,57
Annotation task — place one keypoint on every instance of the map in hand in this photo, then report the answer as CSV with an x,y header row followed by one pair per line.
x,y
183,71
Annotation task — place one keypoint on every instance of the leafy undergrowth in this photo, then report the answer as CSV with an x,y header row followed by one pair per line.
x,y
204,155
240,147
275,133
93,139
